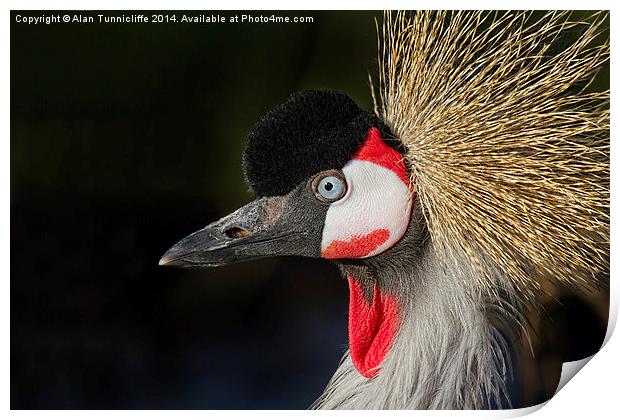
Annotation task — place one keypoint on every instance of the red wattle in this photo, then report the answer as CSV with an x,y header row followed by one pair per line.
x,y
376,151
372,327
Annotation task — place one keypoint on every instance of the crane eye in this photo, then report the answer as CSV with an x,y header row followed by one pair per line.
x,y
329,186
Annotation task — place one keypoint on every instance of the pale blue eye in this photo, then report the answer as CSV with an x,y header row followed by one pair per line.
x,y
331,188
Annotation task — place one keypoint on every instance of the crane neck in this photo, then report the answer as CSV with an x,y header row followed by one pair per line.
x,y
442,348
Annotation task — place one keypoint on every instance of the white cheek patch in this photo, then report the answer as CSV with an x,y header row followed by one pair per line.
x,y
372,216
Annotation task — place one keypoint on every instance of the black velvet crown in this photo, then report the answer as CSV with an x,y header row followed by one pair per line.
x,y
311,132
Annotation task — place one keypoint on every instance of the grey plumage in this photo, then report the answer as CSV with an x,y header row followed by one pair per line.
x,y
450,351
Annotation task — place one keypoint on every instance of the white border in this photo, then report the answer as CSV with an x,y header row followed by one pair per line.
x,y
594,391
308,5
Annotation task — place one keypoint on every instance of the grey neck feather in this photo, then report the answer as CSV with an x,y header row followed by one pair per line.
x,y
448,352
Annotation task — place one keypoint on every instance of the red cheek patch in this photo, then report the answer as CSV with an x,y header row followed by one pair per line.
x,y
357,246
372,327
376,151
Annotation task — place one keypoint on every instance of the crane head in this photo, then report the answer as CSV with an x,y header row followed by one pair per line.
x,y
330,182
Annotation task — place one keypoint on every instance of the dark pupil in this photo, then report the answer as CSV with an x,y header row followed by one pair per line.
x,y
328,186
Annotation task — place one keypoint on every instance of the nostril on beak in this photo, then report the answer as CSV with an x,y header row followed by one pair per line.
x,y
236,232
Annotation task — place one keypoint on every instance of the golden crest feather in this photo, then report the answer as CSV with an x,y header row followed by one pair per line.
x,y
508,148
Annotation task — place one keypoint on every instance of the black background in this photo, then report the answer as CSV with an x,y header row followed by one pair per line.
x,y
125,138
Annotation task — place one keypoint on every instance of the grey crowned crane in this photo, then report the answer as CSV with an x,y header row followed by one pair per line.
x,y
481,175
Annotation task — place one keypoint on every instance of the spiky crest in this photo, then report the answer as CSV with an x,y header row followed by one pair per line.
x,y
508,149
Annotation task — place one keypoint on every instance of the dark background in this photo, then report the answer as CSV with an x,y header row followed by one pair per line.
x,y
127,137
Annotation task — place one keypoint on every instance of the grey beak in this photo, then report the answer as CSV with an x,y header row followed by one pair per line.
x,y
264,227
